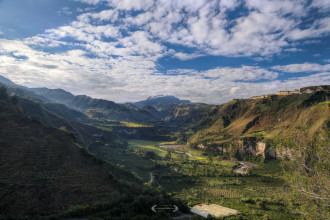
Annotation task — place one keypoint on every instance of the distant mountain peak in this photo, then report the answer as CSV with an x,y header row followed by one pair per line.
x,y
161,100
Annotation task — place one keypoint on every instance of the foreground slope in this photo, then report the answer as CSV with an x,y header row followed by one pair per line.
x,y
43,172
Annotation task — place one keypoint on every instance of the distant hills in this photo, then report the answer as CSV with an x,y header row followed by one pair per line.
x,y
158,101
47,112
264,116
150,110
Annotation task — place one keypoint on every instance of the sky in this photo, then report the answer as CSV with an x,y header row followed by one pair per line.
x,y
209,51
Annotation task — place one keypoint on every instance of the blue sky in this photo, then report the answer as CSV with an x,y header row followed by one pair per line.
x,y
203,50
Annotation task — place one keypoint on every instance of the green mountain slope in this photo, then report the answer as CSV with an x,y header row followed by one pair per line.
x,y
43,172
58,115
262,119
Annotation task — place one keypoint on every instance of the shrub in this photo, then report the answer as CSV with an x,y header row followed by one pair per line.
x,y
265,217
261,205
247,200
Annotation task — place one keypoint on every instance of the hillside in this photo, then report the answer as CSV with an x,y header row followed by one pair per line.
x,y
161,101
94,107
254,120
43,172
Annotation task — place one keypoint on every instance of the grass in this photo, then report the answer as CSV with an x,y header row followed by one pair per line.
x,y
242,193
134,125
109,124
128,161
148,145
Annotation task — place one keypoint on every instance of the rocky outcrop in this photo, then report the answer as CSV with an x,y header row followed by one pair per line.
x,y
256,147
261,149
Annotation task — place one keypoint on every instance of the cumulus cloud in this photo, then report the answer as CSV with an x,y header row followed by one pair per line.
x,y
187,56
114,52
304,67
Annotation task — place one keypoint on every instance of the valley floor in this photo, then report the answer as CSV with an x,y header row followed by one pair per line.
x,y
256,191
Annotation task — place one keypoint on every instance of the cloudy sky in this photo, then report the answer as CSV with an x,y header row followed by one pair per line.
x,y
203,50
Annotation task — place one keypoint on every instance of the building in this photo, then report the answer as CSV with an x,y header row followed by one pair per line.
x,y
288,92
214,210
311,89
259,97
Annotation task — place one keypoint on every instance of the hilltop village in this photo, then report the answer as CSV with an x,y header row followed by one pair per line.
x,y
303,90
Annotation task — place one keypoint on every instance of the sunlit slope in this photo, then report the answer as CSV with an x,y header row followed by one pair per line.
x,y
266,118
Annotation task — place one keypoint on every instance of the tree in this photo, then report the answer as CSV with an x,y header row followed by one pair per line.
x,y
210,158
15,100
3,93
150,155
168,156
186,158
307,170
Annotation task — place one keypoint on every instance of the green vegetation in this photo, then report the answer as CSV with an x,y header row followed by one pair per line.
x,y
197,154
108,123
307,170
148,146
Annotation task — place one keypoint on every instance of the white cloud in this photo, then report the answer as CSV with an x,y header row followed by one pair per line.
x,y
187,56
114,53
318,28
132,4
92,2
65,10
322,5
304,67
134,78
244,73
267,28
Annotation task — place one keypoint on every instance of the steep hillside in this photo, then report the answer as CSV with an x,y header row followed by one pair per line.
x,y
58,115
262,119
43,172
67,119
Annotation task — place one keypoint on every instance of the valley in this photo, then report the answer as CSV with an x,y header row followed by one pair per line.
x,y
174,152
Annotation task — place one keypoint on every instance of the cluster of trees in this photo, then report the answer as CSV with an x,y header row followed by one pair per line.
x,y
146,154
307,170
125,205
4,96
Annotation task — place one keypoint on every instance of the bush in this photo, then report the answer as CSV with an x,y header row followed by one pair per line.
x,y
247,200
265,217
3,93
261,205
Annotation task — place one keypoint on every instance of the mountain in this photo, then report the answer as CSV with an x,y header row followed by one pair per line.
x,y
94,107
6,81
43,172
252,124
62,117
46,112
160,100
56,95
